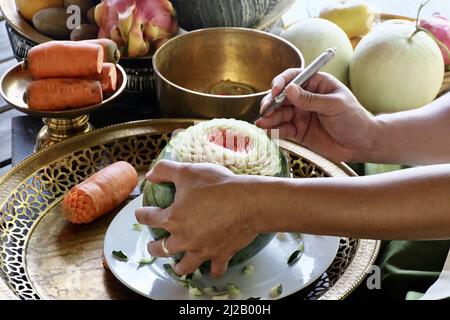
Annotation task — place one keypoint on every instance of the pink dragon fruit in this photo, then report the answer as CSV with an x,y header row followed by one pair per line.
x,y
439,27
137,26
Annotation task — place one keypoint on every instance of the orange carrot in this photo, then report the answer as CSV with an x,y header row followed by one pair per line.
x,y
63,93
64,59
107,78
100,193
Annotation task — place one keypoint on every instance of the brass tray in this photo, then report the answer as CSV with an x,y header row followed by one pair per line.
x,y
43,257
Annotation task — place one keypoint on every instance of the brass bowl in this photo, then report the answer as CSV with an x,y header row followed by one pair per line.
x,y
188,66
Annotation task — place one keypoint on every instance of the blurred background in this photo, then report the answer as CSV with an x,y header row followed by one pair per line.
x,y
303,8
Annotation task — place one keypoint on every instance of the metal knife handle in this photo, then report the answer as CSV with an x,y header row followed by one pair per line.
x,y
302,78
309,72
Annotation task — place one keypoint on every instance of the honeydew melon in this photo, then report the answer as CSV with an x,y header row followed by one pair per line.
x,y
313,36
393,70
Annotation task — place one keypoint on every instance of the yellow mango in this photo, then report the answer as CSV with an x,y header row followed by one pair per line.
x,y
355,18
28,8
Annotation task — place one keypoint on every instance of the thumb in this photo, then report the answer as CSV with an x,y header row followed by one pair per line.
x,y
164,171
308,101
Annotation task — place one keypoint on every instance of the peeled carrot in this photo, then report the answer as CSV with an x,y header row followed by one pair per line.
x,y
63,93
100,193
107,78
64,59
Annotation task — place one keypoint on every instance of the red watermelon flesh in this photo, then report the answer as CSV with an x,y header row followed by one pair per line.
x,y
230,139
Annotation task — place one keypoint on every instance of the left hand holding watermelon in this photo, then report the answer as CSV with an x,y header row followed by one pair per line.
x,y
206,220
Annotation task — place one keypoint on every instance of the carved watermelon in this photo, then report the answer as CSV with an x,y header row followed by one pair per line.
x,y
241,147
198,14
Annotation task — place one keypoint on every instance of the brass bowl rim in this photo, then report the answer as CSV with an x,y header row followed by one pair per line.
x,y
25,29
195,33
70,113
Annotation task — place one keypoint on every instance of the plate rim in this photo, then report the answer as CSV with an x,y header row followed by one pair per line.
x,y
107,257
69,113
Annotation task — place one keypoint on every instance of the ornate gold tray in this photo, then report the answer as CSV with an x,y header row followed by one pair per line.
x,y
43,257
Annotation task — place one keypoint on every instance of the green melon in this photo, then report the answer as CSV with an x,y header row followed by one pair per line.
x,y
199,14
241,147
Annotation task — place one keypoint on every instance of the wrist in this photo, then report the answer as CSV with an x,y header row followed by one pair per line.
x,y
379,138
373,145
269,200
254,194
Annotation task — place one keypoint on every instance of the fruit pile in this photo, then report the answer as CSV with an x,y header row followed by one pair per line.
x,y
137,26
391,66
50,17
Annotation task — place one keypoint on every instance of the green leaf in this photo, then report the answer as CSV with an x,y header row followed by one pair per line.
x,y
146,262
281,236
248,270
296,255
194,291
233,289
184,283
119,255
190,276
221,297
138,227
198,273
210,290
169,269
301,247
276,291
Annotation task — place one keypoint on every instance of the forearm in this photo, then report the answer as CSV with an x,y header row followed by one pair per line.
x,y
411,204
414,137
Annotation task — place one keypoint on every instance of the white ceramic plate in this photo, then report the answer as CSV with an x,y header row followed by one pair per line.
x,y
271,268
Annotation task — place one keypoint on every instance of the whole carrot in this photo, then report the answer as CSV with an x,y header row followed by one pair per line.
x,y
112,52
100,193
64,59
107,78
63,93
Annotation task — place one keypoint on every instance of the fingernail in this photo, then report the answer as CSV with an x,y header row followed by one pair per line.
x,y
140,212
148,174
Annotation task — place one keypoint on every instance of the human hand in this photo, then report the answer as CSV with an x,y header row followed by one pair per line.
x,y
324,117
206,221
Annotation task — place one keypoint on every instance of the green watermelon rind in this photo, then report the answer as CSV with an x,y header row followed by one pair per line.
x,y
162,195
